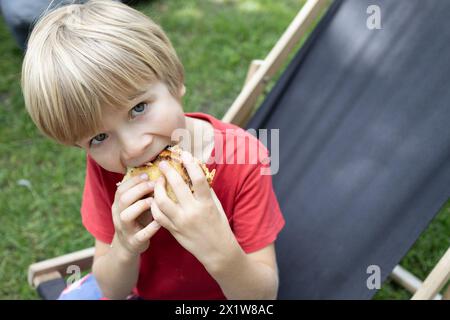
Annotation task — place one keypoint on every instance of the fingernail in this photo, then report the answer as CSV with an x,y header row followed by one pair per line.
x,y
163,165
144,176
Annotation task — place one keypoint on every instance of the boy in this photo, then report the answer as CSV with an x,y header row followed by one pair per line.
x,y
104,77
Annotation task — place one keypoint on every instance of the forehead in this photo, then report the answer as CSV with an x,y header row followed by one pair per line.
x,y
151,90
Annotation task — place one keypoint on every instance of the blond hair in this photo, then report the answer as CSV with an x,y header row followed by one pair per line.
x,y
86,59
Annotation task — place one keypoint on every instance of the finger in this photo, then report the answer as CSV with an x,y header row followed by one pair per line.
x,y
148,232
135,193
197,176
179,187
121,189
125,185
160,217
166,204
129,215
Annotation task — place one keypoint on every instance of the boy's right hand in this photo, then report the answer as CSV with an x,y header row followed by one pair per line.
x,y
127,207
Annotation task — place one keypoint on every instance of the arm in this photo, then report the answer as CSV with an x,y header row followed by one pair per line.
x,y
116,270
247,276
199,223
116,267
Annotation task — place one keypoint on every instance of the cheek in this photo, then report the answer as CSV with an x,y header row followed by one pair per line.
x,y
167,119
177,122
108,160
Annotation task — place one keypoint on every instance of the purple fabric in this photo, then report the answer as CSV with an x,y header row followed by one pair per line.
x,y
84,289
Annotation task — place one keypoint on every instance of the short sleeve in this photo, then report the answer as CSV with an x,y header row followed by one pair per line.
x,y
98,197
257,218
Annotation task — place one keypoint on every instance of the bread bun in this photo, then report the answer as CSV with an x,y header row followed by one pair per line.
x,y
172,155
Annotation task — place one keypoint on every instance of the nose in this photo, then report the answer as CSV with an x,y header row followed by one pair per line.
x,y
134,149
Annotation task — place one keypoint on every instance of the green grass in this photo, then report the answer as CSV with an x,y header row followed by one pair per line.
x,y
216,40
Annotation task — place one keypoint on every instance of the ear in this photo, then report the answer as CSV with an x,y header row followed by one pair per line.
x,y
182,90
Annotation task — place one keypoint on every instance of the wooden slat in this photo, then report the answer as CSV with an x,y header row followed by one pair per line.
x,y
447,294
45,277
254,66
436,280
83,259
240,110
408,281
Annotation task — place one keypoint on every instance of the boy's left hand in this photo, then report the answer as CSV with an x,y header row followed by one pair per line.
x,y
198,221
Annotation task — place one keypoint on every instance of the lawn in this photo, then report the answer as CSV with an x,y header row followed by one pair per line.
x,y
41,182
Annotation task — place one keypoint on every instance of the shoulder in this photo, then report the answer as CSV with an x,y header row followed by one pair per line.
x,y
231,140
241,160
240,148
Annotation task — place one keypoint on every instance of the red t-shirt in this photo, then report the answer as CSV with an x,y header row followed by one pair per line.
x,y
167,270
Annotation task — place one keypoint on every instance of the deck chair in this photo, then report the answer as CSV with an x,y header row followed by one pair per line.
x,y
364,144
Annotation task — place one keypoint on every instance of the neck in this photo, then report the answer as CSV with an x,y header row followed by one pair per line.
x,y
200,137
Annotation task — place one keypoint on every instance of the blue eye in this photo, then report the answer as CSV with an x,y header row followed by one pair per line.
x,y
138,109
98,138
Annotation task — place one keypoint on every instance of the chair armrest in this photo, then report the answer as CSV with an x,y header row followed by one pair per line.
x,y
49,269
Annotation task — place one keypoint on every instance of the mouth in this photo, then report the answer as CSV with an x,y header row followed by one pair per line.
x,y
153,157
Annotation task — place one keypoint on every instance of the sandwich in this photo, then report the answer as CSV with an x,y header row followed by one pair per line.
x,y
172,155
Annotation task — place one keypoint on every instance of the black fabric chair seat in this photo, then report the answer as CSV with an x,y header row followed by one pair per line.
x,y
50,290
364,144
